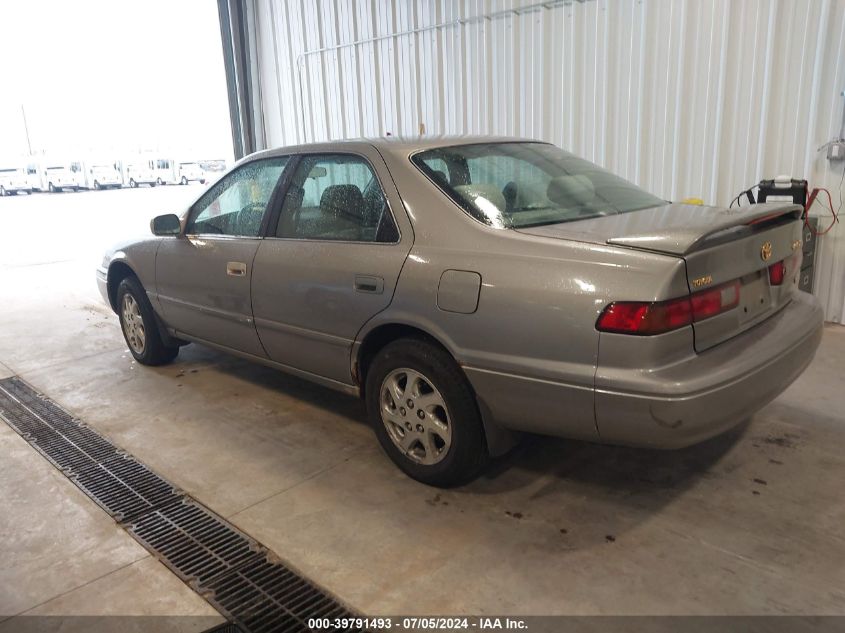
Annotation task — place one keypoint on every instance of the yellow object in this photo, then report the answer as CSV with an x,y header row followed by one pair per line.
x,y
697,201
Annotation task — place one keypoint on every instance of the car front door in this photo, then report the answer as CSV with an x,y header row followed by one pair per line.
x,y
330,263
203,277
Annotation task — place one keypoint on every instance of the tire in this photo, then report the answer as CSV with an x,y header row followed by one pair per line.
x,y
184,181
158,181
51,188
97,185
2,191
146,345
436,454
132,183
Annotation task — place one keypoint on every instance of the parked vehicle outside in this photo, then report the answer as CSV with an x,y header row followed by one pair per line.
x,y
35,176
191,172
64,175
137,171
166,171
472,289
14,180
102,174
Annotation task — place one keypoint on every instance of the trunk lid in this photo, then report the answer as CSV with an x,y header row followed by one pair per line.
x,y
717,245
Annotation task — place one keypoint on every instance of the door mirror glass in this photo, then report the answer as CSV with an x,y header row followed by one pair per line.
x,y
168,224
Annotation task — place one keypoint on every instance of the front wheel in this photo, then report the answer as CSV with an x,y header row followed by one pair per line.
x,y
139,325
2,191
184,181
132,183
97,185
425,414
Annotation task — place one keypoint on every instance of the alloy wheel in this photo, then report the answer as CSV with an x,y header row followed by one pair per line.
x,y
415,416
133,324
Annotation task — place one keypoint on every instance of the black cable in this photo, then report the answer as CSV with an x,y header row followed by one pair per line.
x,y
746,192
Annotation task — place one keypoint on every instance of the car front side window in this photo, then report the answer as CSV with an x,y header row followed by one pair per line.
x,y
236,205
336,197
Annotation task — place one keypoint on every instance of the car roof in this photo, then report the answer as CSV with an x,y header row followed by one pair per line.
x,y
406,145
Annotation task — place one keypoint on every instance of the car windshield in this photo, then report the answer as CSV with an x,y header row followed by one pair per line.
x,y
516,185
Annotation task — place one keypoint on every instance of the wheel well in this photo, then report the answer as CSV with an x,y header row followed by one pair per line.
x,y
381,336
118,271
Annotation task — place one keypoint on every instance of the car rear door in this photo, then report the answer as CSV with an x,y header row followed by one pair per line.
x,y
203,277
330,261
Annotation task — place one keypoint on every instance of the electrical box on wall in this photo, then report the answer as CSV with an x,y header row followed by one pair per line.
x,y
836,150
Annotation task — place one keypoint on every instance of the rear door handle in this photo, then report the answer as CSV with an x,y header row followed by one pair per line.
x,y
368,283
236,269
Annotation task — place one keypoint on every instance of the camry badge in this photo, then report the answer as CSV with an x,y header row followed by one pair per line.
x,y
702,281
766,251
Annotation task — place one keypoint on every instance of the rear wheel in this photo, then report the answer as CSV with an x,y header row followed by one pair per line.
x,y
184,181
139,325
2,191
424,413
132,183
97,185
51,188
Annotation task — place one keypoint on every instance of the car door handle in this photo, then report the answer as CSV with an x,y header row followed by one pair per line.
x,y
236,269
368,283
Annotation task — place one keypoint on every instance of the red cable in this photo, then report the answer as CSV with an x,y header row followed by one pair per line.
x,y
810,202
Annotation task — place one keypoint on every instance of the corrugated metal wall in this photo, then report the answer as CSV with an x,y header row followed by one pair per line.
x,y
688,98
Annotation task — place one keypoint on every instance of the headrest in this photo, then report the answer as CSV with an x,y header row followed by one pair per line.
x,y
343,201
571,191
440,177
487,198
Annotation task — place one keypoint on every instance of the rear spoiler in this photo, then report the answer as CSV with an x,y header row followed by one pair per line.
x,y
717,225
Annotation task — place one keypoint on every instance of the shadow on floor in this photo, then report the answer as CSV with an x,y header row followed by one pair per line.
x,y
587,494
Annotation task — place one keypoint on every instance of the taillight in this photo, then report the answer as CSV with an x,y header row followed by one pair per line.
x,y
646,318
634,317
777,273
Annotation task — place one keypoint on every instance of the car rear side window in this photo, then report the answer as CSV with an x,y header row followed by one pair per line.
x,y
236,205
336,197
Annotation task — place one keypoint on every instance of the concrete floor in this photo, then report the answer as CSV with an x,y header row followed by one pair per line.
x,y
748,523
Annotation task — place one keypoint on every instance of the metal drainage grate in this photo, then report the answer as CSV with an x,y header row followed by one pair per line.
x,y
231,570
228,627
125,488
265,596
193,542
44,408
64,441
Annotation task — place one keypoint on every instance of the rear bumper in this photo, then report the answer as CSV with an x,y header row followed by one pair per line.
x,y
711,392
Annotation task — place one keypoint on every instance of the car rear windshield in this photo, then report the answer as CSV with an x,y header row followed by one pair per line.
x,y
516,185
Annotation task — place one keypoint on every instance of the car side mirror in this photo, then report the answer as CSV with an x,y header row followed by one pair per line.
x,y
164,225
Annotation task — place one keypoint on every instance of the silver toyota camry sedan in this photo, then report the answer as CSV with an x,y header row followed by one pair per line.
x,y
470,289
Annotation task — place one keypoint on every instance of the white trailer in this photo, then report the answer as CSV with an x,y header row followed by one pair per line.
x,y
103,174
13,180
